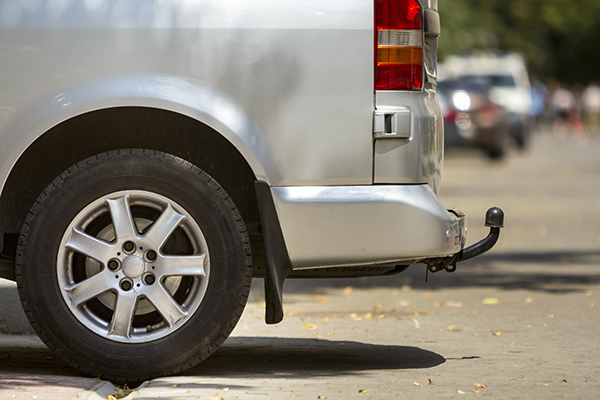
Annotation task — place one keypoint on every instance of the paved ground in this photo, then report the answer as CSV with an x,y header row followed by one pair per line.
x,y
519,321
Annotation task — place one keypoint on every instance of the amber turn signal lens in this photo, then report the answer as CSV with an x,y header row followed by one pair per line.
x,y
399,55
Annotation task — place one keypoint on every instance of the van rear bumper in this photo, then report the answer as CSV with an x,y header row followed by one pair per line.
x,y
326,226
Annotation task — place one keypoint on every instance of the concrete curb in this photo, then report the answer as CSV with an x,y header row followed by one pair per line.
x,y
100,391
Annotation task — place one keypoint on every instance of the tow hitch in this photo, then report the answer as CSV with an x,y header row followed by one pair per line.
x,y
494,219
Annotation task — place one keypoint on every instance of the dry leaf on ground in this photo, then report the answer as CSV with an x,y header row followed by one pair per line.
x,y
417,384
491,300
312,327
480,386
496,333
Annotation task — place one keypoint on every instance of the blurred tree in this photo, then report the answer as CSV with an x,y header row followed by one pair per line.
x,y
557,37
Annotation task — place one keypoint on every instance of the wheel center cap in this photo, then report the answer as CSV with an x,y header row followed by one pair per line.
x,y
133,266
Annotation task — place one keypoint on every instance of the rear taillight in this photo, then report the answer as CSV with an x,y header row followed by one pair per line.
x,y
399,44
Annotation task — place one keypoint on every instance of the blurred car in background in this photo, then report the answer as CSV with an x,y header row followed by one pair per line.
x,y
506,75
471,118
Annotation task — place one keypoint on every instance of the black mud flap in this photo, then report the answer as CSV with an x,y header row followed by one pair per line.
x,y
278,260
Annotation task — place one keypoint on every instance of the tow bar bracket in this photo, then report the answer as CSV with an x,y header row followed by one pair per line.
x,y
494,219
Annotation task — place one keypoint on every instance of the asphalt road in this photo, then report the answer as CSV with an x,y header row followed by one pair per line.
x,y
519,321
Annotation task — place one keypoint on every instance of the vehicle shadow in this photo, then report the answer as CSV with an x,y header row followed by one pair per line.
x,y
259,357
551,272
275,357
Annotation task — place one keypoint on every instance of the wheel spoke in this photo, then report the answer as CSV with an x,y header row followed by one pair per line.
x,y
123,314
88,289
180,266
165,304
122,218
88,245
164,226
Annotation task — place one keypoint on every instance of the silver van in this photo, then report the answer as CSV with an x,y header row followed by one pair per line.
x,y
156,155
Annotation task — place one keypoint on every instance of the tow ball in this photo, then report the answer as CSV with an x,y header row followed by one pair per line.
x,y
494,219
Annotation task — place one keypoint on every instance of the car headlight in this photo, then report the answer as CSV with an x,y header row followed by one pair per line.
x,y
461,100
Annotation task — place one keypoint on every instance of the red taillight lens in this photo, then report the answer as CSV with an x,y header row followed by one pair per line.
x,y
398,14
399,44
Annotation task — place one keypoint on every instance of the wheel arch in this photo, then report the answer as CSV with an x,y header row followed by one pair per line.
x,y
102,130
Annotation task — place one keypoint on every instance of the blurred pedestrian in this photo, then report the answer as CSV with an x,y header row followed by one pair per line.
x,y
566,116
591,107
539,95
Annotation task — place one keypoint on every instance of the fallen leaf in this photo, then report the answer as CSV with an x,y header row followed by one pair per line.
x,y
451,327
348,290
368,316
480,386
216,398
529,300
496,333
321,398
226,389
110,397
491,300
459,391
417,384
415,323
312,327
405,288
326,319
362,391
454,304
404,303
319,298
431,383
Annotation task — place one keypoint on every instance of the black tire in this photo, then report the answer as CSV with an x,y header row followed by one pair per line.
x,y
179,283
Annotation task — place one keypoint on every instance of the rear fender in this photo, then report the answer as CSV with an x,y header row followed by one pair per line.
x,y
161,92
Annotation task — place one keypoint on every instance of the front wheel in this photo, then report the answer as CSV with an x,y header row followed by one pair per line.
x,y
133,264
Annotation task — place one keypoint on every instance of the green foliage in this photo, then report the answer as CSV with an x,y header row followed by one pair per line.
x,y
557,37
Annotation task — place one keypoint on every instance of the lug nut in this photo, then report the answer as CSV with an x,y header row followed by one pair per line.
x,y
151,255
129,246
149,279
126,285
113,264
